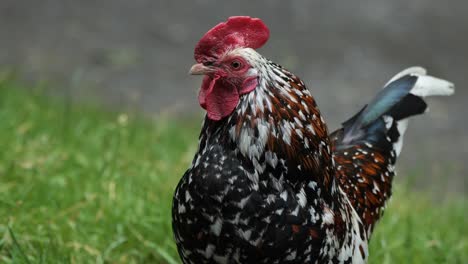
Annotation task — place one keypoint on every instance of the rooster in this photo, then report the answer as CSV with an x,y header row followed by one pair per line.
x,y
269,184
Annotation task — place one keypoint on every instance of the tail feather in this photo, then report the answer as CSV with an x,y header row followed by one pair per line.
x,y
428,86
402,97
366,147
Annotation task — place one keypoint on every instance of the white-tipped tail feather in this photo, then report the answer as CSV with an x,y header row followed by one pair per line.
x,y
385,119
425,85
428,86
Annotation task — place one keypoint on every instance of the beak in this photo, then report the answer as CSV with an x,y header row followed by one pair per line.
x,y
200,69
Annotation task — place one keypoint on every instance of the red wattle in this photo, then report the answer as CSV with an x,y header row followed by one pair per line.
x,y
206,88
218,97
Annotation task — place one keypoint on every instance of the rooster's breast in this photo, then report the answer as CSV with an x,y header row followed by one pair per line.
x,y
225,211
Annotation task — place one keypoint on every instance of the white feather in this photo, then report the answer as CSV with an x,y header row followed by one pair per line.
x,y
428,85
401,126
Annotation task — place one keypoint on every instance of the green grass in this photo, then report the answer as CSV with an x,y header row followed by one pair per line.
x,y
83,185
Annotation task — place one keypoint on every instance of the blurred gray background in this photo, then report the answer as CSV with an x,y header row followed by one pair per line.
x,y
136,54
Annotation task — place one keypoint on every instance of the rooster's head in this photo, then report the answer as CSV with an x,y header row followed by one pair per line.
x,y
226,56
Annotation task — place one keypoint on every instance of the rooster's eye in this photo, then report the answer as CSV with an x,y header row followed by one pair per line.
x,y
236,65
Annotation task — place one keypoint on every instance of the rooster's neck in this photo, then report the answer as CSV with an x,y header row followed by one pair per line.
x,y
278,126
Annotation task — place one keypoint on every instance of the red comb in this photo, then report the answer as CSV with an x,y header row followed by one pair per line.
x,y
237,31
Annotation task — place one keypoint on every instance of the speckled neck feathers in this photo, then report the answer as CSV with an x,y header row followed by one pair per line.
x,y
279,123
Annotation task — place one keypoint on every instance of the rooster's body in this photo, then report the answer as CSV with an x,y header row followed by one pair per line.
x,y
268,183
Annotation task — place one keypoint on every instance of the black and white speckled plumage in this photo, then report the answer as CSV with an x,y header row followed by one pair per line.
x,y
261,188
269,185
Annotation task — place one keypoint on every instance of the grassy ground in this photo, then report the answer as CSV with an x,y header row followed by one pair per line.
x,y
81,185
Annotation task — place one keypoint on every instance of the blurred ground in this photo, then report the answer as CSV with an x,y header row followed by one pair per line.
x,y
136,54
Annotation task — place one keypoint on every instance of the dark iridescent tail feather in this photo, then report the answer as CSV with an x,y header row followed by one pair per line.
x,y
366,147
